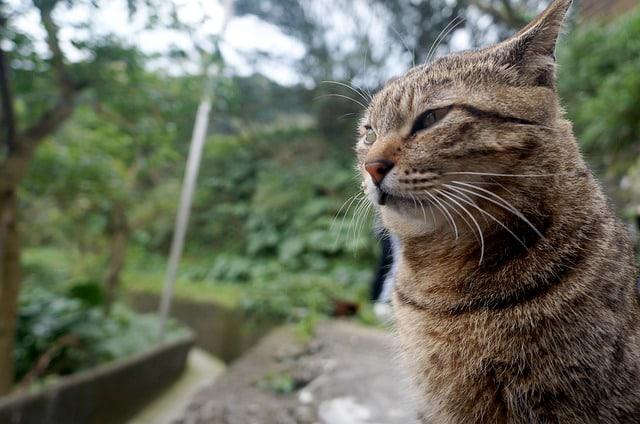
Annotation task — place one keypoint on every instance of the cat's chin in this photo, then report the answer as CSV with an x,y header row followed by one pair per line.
x,y
405,219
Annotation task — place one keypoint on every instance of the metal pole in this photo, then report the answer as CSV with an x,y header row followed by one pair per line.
x,y
188,187
182,219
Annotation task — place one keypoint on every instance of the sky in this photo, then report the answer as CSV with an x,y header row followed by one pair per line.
x,y
243,36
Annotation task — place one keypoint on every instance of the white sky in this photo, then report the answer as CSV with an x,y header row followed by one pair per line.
x,y
243,37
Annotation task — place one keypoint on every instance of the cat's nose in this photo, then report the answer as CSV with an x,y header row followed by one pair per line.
x,y
378,169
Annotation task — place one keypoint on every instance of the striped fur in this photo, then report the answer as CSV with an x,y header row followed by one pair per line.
x,y
530,314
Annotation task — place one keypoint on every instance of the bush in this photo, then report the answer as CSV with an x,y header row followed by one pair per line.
x,y
68,328
599,81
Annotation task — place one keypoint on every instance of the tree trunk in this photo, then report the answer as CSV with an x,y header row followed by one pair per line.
x,y
10,276
13,166
118,233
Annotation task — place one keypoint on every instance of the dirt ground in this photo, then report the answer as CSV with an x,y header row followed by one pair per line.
x,y
346,374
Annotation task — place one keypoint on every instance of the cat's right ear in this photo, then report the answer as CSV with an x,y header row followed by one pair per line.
x,y
532,50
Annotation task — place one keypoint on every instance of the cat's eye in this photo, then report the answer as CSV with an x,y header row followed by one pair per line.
x,y
429,118
370,136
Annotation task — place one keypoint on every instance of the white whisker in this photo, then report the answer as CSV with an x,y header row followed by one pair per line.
x,y
350,199
342,96
496,220
443,35
447,214
448,195
360,216
365,217
505,205
411,52
488,174
358,195
350,87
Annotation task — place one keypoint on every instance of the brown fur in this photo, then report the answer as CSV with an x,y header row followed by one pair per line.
x,y
542,330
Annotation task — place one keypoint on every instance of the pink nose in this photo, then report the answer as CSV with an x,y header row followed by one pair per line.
x,y
378,169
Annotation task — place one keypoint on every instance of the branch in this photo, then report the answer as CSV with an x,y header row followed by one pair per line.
x,y
6,99
49,121
43,362
516,18
57,57
52,119
505,15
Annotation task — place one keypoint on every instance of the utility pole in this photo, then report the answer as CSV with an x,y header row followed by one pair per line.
x,y
189,183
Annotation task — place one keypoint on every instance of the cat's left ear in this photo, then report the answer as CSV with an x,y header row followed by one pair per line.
x,y
532,50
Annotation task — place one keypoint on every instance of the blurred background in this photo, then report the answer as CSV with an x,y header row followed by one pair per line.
x,y
99,100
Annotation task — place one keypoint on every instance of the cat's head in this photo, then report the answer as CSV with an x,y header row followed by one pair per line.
x,y
488,111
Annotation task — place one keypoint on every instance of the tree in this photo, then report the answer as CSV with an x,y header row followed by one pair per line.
x,y
600,85
20,143
108,157
509,14
38,95
376,35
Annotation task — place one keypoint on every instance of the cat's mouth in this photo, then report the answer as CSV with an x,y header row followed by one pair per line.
x,y
384,198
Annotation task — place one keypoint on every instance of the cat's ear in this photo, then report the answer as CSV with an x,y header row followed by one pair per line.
x,y
532,50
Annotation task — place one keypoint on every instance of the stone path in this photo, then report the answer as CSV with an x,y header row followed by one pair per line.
x,y
202,369
346,374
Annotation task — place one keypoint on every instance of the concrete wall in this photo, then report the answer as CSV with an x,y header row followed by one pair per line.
x,y
110,393
222,331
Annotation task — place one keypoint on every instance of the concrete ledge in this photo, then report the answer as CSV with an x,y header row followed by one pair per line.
x,y
109,393
345,374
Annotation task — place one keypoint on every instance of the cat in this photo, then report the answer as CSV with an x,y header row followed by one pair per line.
x,y
515,295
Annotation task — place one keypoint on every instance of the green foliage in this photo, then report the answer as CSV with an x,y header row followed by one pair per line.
x,y
278,383
275,195
47,317
600,83
295,297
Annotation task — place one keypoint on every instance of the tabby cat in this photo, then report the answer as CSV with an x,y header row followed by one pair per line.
x,y
515,293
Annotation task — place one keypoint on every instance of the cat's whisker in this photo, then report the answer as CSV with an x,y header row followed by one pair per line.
x,y
350,87
364,72
443,35
368,210
358,197
342,96
495,183
481,239
433,215
470,199
437,39
493,218
342,222
446,213
359,213
424,212
410,51
453,209
355,218
344,204
501,202
444,193
417,202
345,115
489,174
365,218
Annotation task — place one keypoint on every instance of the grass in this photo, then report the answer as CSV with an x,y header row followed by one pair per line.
x,y
143,273
225,294
274,293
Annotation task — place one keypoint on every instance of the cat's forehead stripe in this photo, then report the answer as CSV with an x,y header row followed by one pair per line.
x,y
405,97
